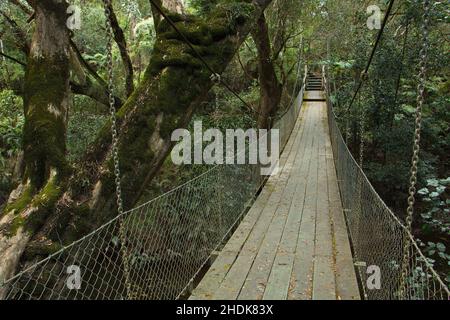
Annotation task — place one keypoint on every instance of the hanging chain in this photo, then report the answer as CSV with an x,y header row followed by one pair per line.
x,y
115,149
416,148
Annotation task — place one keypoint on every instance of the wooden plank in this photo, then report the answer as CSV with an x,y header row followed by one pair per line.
x,y
314,96
346,281
282,266
233,283
256,281
302,272
280,275
220,268
293,244
324,287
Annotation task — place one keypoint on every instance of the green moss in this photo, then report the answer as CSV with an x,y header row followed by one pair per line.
x,y
41,250
44,133
14,226
22,202
235,13
43,202
174,79
48,195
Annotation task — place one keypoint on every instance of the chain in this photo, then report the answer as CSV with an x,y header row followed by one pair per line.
x,y
416,148
115,149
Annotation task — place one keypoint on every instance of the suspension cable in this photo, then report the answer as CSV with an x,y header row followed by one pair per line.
x,y
372,54
115,151
215,76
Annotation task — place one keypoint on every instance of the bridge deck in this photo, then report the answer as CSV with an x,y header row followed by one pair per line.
x,y
293,243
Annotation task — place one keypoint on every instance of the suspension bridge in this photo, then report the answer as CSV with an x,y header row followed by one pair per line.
x,y
293,243
312,231
309,232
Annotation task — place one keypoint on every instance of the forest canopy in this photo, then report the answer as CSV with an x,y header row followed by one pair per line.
x,y
57,180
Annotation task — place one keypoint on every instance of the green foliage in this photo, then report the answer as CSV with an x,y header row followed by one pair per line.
x,y
84,124
11,124
203,6
436,196
389,98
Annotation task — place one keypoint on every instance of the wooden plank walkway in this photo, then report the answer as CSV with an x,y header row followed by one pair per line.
x,y
293,243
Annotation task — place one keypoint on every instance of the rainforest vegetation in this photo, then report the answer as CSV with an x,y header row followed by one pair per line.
x,y
56,164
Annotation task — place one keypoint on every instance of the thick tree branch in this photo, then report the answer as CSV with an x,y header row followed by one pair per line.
x,y
155,13
95,88
119,37
95,91
13,59
28,10
175,6
269,84
21,40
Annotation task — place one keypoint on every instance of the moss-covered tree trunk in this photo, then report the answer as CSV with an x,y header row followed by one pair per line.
x,y
175,6
270,87
46,102
174,84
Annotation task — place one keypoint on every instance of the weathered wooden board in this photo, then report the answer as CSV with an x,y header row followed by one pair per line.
x,y
293,243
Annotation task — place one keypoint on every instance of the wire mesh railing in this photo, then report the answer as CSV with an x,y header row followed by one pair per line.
x,y
168,240
286,121
378,236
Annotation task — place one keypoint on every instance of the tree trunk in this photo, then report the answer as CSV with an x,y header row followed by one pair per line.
x,y
174,84
46,103
271,89
175,6
119,37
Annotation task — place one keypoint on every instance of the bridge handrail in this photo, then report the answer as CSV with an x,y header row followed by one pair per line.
x,y
377,234
286,121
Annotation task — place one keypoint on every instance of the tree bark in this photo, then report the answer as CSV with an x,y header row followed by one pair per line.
x,y
174,83
119,37
46,103
175,6
271,88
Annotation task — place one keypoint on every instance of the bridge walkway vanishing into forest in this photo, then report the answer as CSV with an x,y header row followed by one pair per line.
x,y
314,227
293,243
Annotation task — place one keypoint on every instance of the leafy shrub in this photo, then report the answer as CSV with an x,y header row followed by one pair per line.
x,y
437,217
436,222
11,123
83,127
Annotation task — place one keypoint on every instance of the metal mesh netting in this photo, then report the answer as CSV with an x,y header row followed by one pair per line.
x,y
287,122
169,240
378,236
